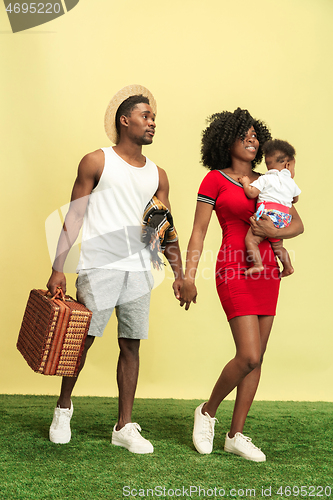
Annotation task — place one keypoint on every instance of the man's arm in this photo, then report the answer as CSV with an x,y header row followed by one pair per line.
x,y
89,172
172,251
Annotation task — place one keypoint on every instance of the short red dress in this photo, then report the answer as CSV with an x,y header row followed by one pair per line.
x,y
240,295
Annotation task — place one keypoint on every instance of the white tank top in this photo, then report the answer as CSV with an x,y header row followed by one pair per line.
x,y
111,233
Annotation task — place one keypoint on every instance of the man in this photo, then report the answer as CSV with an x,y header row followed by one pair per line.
x,y
112,188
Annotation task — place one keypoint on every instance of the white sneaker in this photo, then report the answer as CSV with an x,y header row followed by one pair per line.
x,y
129,437
243,446
60,429
203,431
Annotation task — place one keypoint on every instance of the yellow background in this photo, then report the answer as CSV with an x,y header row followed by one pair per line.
x,y
273,57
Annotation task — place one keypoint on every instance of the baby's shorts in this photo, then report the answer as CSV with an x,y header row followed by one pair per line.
x,y
279,215
128,292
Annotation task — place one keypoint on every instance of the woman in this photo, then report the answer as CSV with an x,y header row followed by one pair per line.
x,y
231,147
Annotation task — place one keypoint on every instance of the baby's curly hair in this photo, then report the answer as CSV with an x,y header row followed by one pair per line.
x,y
278,146
223,130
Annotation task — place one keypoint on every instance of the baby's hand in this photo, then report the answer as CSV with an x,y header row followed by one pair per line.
x,y
244,179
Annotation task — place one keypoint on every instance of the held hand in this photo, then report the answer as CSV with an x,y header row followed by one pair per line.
x,y
177,284
56,279
244,180
264,227
188,294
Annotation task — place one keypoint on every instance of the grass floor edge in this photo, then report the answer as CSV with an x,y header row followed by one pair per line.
x,y
295,435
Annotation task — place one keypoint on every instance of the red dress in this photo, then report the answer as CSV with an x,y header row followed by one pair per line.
x,y
240,295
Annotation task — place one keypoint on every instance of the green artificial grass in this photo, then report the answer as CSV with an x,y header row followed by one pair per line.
x,y
297,438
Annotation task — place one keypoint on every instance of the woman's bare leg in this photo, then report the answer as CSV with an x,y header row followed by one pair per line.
x,y
247,337
247,388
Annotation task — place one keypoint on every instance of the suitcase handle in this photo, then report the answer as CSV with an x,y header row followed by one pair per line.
x,y
59,292
65,298
56,295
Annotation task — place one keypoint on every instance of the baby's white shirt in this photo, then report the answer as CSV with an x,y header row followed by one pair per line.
x,y
277,186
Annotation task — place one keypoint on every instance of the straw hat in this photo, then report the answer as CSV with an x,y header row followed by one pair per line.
x,y
117,99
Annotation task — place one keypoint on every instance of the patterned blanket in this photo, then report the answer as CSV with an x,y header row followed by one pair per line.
x,y
157,229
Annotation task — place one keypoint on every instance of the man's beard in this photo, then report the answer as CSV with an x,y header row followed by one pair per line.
x,y
145,140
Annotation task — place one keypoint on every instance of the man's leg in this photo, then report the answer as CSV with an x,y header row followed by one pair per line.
x,y
68,383
133,322
126,433
127,378
60,430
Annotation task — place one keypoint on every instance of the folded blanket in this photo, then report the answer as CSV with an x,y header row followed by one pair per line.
x,y
157,229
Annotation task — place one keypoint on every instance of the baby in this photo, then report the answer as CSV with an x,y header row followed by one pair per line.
x,y
276,191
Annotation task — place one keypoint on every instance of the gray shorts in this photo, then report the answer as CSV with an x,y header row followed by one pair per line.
x,y
102,290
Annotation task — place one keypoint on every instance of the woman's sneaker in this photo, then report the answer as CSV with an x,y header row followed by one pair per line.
x,y
203,431
130,438
60,430
243,446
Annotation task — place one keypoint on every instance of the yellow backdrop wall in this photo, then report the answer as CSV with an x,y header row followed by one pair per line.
x,y
198,58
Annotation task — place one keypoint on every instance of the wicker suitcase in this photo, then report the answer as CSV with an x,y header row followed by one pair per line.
x,y
53,333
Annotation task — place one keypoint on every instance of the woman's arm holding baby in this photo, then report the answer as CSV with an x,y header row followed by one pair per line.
x,y
265,228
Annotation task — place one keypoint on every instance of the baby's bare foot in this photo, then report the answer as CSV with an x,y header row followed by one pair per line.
x,y
287,271
253,270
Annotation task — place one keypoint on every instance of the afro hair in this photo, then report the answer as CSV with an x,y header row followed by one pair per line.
x,y
223,130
